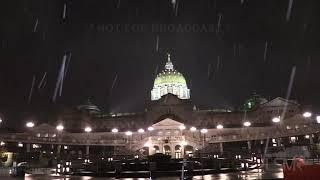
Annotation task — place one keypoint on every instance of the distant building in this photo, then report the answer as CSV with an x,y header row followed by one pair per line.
x,y
173,125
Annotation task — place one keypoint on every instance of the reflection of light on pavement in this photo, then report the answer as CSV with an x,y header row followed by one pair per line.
x,y
224,177
207,177
86,178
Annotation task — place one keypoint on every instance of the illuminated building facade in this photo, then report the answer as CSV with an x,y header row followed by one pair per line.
x,y
171,124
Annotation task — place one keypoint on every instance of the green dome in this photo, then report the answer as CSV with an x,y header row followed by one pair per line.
x,y
170,77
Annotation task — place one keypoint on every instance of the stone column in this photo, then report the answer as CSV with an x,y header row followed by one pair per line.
x,y
150,149
221,148
183,151
161,148
173,151
28,147
87,149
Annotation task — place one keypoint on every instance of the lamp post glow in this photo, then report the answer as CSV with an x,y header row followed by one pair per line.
x,y
182,127
276,119
141,131
203,131
30,124
219,126
88,129
114,130
60,127
150,128
247,124
193,129
318,119
307,114
128,133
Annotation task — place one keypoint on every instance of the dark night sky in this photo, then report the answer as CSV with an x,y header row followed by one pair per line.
x,y
98,56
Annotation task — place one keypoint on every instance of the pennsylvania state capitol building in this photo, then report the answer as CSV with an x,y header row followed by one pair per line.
x,y
172,125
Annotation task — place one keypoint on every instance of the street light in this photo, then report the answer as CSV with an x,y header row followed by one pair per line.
x,y
192,129
247,124
150,128
219,126
318,119
114,130
182,127
129,133
307,114
60,127
88,129
140,130
30,124
203,131
20,144
0,120
276,119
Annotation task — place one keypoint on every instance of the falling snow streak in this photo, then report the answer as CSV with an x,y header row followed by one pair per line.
x,y
60,76
42,81
157,43
68,62
64,11
265,51
173,2
113,83
176,8
289,10
293,73
31,89
209,70
219,23
36,25
45,83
